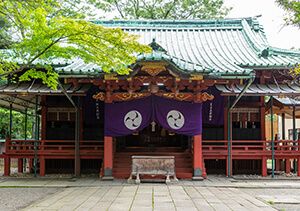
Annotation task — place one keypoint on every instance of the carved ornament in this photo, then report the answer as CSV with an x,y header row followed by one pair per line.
x,y
111,76
153,69
196,77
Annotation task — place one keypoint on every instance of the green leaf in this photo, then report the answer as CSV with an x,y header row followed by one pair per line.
x,y
49,30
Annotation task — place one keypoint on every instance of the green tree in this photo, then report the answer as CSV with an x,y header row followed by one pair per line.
x,y
167,9
292,7
18,124
47,30
5,39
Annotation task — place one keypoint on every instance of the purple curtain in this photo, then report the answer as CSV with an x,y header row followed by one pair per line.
x,y
124,118
177,116
213,111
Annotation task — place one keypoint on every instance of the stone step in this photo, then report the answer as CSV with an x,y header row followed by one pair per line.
x,y
183,160
179,175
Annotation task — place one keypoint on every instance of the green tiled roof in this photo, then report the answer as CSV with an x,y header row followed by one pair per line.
x,y
229,47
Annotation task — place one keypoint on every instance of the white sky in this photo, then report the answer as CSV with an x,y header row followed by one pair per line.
x,y
278,35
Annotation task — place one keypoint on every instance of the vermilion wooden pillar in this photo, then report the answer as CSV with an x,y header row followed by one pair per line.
x,y
20,165
287,166
262,123
43,135
7,158
263,136
263,128
225,119
277,165
298,163
44,118
108,157
6,166
42,160
198,157
42,166
30,164
81,122
264,172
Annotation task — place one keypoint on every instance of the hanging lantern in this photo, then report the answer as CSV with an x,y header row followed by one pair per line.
x,y
153,126
171,133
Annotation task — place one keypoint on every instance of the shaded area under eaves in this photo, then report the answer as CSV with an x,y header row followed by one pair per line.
x,y
284,106
22,96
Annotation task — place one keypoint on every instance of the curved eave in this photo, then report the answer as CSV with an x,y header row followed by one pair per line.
x,y
212,74
73,74
269,67
247,74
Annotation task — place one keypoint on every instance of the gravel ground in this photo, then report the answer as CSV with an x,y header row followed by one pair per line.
x,y
17,198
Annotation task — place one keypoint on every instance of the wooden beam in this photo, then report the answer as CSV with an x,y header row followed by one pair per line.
x,y
77,139
124,96
283,126
44,118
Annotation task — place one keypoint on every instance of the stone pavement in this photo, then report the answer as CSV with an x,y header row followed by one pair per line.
x,y
212,181
215,193
150,197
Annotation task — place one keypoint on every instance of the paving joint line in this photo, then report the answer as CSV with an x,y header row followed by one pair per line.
x,y
134,197
171,197
190,197
114,198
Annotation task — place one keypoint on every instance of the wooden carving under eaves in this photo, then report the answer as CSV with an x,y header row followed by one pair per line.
x,y
196,77
111,76
119,97
203,96
153,68
99,96
128,96
190,97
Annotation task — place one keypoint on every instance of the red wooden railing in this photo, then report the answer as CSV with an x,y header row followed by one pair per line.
x,y
252,149
53,148
212,149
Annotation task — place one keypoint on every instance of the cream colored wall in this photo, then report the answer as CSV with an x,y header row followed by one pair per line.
x,y
288,125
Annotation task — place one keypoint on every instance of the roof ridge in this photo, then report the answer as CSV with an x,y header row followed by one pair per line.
x,y
251,38
281,51
176,23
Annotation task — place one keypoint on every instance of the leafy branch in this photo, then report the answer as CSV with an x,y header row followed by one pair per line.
x,y
47,35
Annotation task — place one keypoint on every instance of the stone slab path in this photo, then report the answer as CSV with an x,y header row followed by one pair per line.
x,y
150,197
91,193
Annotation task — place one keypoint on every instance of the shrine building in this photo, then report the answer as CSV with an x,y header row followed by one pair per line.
x,y
202,96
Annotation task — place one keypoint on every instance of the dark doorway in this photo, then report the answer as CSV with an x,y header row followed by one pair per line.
x,y
154,137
